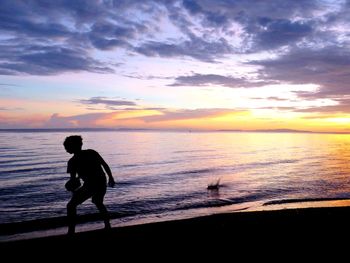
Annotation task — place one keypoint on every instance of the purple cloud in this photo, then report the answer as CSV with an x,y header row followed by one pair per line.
x,y
107,102
214,79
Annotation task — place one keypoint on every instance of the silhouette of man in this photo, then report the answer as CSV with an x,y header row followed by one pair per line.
x,y
87,165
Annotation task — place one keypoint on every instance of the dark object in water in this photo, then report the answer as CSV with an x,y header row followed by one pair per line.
x,y
211,187
214,186
72,184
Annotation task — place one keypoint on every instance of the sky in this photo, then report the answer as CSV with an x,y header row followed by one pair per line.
x,y
175,64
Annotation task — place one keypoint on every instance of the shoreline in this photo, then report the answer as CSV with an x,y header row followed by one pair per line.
x,y
246,227
55,226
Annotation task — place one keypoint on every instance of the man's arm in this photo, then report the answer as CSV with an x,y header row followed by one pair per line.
x,y
111,181
71,169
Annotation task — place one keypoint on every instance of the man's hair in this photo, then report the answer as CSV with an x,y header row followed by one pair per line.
x,y
73,142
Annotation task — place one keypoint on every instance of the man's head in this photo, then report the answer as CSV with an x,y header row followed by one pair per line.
x,y
73,143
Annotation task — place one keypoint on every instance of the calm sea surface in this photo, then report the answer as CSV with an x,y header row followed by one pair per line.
x,y
162,174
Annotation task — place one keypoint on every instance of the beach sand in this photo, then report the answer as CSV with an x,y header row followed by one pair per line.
x,y
293,230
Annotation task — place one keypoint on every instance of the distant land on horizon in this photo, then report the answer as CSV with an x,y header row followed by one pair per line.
x,y
159,130
269,130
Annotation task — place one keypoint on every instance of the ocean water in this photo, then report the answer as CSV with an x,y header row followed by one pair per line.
x,y
164,175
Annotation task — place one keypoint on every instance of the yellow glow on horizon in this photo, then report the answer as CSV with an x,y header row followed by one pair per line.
x,y
126,118
235,120
231,116
339,120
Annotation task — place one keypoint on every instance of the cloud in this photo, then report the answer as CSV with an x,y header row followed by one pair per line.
x,y
195,47
43,38
276,33
11,109
271,98
318,116
136,75
221,13
214,79
327,67
46,38
254,8
107,102
257,25
54,37
8,85
118,118
46,60
342,106
168,115
225,22
281,108
10,121
82,120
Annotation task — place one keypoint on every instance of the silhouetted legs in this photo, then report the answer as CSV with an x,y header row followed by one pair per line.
x,y
97,199
81,195
78,198
104,213
71,216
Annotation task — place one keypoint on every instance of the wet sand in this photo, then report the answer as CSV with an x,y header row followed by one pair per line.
x,y
290,229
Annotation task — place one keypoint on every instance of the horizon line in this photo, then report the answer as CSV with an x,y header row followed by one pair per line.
x,y
89,129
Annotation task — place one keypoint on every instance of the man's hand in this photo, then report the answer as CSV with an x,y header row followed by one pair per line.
x,y
111,182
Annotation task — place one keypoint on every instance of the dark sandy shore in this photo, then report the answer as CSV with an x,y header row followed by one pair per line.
x,y
290,229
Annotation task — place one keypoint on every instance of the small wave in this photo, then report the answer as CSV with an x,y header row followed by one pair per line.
x,y
128,165
195,171
154,178
7,148
30,163
302,200
6,151
206,204
194,151
33,185
274,162
16,160
258,165
146,164
14,155
30,170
